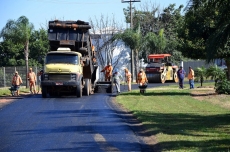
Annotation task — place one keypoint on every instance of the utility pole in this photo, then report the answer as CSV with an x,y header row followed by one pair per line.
x,y
131,26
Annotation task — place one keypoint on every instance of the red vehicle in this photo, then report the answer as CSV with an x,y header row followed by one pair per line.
x,y
159,69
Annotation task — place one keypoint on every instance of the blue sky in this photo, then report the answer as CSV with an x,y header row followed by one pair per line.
x,y
39,12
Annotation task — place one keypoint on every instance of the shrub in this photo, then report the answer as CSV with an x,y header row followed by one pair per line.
x,y
223,87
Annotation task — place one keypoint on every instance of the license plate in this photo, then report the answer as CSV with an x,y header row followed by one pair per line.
x,y
59,83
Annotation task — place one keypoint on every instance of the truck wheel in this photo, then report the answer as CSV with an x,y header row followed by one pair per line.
x,y
110,88
79,91
86,89
44,92
175,78
163,78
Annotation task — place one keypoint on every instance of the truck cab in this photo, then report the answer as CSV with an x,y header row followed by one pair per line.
x,y
69,67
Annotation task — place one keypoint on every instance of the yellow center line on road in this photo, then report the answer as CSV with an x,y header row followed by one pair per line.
x,y
101,141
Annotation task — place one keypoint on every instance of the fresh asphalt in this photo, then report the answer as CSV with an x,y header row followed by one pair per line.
x,y
91,123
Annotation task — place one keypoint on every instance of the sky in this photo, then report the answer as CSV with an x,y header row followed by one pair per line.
x,y
39,12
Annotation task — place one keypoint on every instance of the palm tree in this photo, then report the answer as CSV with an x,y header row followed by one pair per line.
x,y
215,73
200,74
19,31
133,39
155,43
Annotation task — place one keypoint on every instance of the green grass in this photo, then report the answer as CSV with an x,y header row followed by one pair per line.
x,y
6,92
180,122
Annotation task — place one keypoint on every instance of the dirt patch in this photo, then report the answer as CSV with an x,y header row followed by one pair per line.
x,y
5,100
208,94
221,100
203,92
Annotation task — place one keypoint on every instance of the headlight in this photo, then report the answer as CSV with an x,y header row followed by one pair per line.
x,y
73,76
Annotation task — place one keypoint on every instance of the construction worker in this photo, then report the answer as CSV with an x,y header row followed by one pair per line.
x,y
128,78
191,77
181,74
40,78
31,77
117,77
141,78
108,72
16,82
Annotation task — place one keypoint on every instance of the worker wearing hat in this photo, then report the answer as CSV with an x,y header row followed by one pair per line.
x,y
181,74
117,77
16,82
191,77
108,72
141,78
128,77
32,78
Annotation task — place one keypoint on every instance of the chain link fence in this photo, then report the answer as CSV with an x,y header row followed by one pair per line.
x,y
7,73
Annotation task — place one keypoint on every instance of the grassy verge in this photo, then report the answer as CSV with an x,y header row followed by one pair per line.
x,y
181,122
6,92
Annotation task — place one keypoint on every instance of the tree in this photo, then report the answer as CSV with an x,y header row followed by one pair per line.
x,y
168,22
216,15
133,39
19,32
155,44
200,73
107,50
215,73
39,46
11,54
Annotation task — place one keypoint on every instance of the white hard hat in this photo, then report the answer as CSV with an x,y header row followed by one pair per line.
x,y
116,70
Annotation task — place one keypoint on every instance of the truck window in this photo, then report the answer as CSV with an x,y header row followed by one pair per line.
x,y
62,58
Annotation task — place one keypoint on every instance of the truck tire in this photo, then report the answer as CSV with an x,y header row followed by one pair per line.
x,y
79,91
163,78
175,78
44,92
110,89
86,89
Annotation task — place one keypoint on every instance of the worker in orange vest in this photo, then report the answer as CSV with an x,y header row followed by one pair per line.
x,y
16,82
128,78
141,78
32,78
108,72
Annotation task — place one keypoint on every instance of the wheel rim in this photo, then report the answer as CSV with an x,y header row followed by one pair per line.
x,y
162,78
175,77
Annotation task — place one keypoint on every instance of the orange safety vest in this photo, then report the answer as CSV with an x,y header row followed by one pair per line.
x,y
108,70
128,76
191,74
31,76
141,77
17,80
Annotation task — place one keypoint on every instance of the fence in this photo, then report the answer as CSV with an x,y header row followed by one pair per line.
x,y
7,73
195,64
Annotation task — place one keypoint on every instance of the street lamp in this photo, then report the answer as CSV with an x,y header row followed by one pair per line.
x,y
131,24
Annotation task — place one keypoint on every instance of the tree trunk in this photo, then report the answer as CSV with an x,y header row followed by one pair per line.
x,y
26,52
136,63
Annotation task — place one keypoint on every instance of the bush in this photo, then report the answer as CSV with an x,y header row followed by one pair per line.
x,y
223,87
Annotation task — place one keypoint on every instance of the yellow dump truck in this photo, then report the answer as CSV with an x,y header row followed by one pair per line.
x,y
69,67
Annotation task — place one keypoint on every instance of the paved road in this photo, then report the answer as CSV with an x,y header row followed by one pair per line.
x,y
66,124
